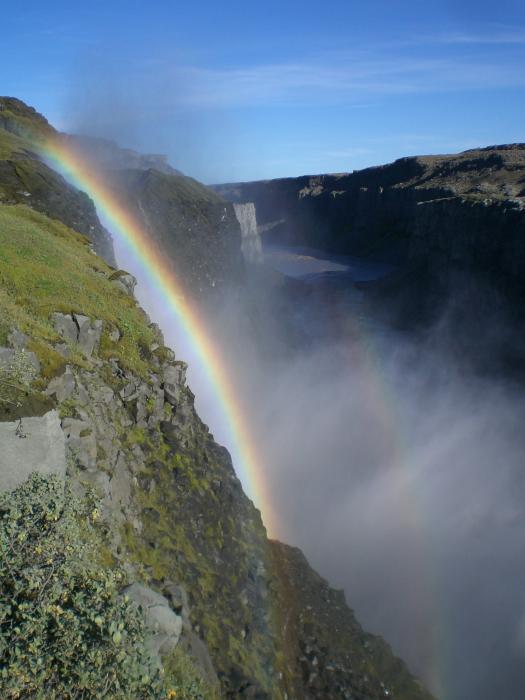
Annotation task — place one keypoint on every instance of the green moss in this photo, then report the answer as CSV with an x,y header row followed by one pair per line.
x,y
11,145
187,682
67,408
136,436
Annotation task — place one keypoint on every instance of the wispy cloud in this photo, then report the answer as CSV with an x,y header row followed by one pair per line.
x,y
502,37
422,64
347,80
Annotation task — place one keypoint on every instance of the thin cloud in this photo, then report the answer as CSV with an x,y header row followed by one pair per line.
x,y
499,37
354,80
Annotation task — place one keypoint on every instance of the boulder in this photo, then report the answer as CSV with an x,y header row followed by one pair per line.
x,y
17,339
34,444
125,282
89,333
78,329
62,386
65,327
164,626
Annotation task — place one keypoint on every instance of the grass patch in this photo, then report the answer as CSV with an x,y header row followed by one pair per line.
x,y
11,145
47,267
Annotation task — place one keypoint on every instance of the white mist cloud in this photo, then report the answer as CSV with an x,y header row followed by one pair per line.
x,y
398,473
401,477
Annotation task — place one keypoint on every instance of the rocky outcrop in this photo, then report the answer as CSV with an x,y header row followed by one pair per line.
x,y
80,330
178,521
31,444
163,624
197,231
251,241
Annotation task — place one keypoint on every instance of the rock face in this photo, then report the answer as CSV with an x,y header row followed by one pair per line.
x,y
32,444
439,218
327,652
164,626
194,227
251,241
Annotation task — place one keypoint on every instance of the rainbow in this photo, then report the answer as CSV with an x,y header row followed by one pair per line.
x,y
155,264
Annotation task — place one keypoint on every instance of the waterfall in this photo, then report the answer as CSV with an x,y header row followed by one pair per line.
x,y
251,241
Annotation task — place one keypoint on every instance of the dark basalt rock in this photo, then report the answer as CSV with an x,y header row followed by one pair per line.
x,y
453,227
196,229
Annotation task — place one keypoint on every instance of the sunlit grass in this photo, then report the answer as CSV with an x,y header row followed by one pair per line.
x,y
47,267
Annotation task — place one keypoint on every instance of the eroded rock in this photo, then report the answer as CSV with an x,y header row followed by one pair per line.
x,y
17,339
164,626
78,329
34,444
125,282
62,386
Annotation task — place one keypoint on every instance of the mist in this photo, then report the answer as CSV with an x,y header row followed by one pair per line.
x,y
396,470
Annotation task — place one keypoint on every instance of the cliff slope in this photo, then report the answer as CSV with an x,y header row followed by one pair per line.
x,y
176,517
196,228
90,392
26,179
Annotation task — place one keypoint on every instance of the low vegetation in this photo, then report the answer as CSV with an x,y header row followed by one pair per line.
x,y
66,631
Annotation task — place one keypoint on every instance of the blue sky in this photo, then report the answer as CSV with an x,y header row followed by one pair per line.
x,y
240,90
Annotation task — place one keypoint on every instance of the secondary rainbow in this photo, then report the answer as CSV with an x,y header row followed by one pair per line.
x,y
156,265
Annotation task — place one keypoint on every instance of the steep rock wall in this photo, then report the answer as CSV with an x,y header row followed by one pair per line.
x,y
197,230
443,220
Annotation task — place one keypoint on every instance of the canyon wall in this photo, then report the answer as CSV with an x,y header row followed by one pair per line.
x,y
439,219
119,419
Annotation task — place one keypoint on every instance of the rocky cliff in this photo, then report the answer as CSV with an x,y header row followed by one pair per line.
x,y
443,220
196,228
90,393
